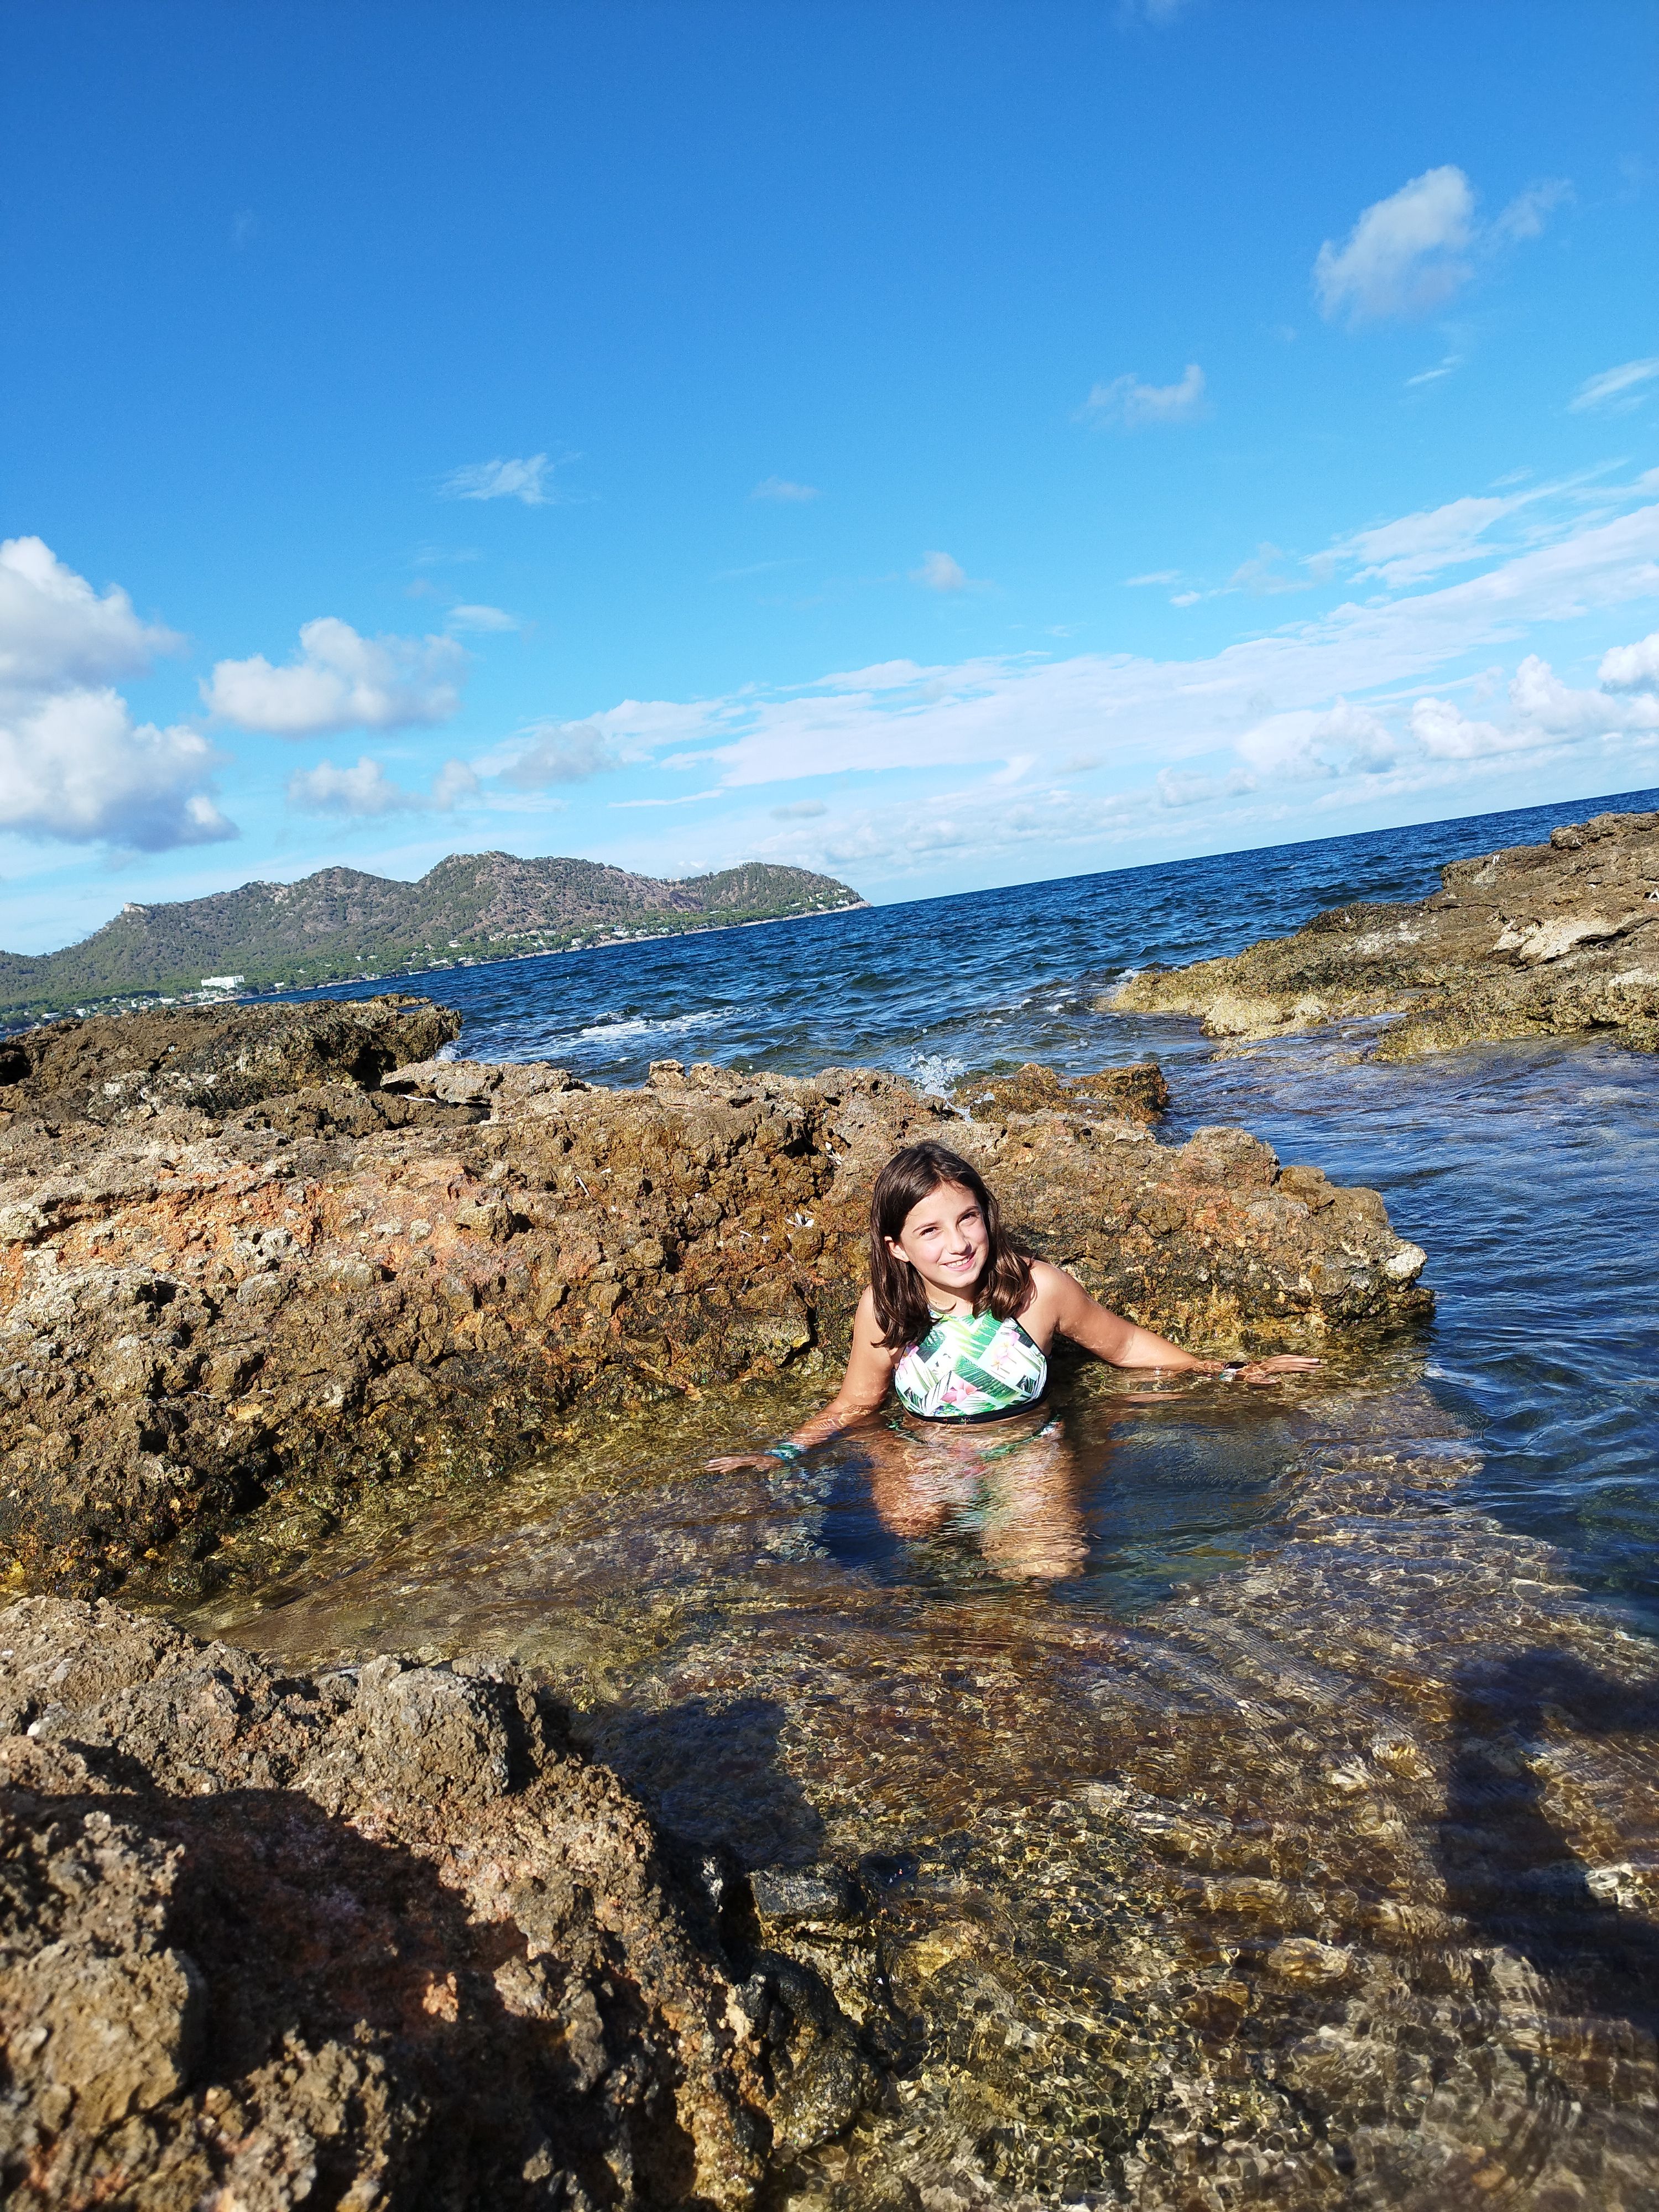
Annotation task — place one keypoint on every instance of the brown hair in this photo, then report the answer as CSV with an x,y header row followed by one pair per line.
x,y
902,1309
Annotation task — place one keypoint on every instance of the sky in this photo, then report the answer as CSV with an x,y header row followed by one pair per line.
x,y
942,445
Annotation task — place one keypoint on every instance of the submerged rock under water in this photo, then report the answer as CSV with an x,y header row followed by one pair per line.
x,y
1325,1880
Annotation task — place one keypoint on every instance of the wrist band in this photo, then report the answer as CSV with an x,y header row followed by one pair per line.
x,y
785,1452
1230,1373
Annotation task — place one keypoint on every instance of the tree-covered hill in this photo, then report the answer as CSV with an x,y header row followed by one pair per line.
x,y
340,924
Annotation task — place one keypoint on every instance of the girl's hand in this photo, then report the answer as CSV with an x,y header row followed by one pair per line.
x,y
1282,1363
734,1462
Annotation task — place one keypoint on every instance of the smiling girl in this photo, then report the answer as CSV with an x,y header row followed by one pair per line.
x,y
960,1321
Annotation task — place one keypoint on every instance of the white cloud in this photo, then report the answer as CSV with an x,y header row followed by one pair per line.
x,y
1525,214
525,480
1408,254
1154,576
1632,667
56,631
1176,789
73,763
1262,576
1615,390
1445,733
1135,710
561,752
365,793
1529,211
1405,256
1318,742
804,810
780,488
479,618
454,782
1134,406
939,573
339,681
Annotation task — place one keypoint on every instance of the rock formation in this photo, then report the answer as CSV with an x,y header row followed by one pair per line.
x,y
1539,940
206,1312
379,1937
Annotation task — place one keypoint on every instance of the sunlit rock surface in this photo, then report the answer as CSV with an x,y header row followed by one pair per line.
x,y
1537,940
431,1272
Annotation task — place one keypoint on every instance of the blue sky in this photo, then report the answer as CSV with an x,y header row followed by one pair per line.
x,y
945,444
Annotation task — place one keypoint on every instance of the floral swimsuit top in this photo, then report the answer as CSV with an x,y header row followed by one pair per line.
x,y
972,1367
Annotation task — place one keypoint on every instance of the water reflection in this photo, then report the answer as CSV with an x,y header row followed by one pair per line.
x,y
1294,1847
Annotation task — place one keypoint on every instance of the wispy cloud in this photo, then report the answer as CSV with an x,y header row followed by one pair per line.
x,y
939,573
1453,361
1616,391
479,618
560,753
804,810
1153,577
365,793
781,489
526,480
1134,406
1410,253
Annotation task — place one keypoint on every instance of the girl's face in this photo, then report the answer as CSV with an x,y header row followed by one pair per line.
x,y
944,1240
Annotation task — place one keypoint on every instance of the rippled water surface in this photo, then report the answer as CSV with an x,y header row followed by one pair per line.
x,y
1251,1798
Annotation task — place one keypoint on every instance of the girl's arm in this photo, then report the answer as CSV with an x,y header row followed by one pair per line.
x,y
865,1385
1124,1343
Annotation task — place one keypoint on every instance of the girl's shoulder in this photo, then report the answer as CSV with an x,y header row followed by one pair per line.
x,y
1049,1281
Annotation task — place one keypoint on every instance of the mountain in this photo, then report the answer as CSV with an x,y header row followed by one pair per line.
x,y
340,925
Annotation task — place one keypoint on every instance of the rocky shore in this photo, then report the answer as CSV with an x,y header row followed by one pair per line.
x,y
254,1261
375,1938
1539,940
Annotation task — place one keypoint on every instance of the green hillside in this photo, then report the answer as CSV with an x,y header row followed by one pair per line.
x,y
341,925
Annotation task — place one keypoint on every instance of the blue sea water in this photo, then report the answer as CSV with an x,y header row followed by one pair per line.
x,y
1527,1171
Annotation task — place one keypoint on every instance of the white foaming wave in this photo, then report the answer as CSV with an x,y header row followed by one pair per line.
x,y
935,1072
668,1025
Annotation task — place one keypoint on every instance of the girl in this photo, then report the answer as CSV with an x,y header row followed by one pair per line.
x,y
960,1321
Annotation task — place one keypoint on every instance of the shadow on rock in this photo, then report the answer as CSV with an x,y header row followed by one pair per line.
x,y
708,1769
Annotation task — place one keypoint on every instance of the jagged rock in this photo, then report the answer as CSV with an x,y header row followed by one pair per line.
x,y
220,1058
376,1937
1539,940
1138,1093
273,1308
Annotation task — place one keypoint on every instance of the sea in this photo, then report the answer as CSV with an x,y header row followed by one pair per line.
x,y
1242,1799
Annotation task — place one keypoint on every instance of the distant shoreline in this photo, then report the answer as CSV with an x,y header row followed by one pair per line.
x,y
143,1002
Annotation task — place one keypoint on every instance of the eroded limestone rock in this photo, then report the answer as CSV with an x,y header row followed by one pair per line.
x,y
201,1316
374,1937
1535,941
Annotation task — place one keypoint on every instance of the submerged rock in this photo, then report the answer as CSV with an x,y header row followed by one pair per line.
x,y
203,1314
1539,940
374,1937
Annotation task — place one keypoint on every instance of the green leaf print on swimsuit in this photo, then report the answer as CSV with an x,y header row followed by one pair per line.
x,y
972,1367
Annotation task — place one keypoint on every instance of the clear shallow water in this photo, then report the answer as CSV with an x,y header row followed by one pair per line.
x,y
1297,1845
